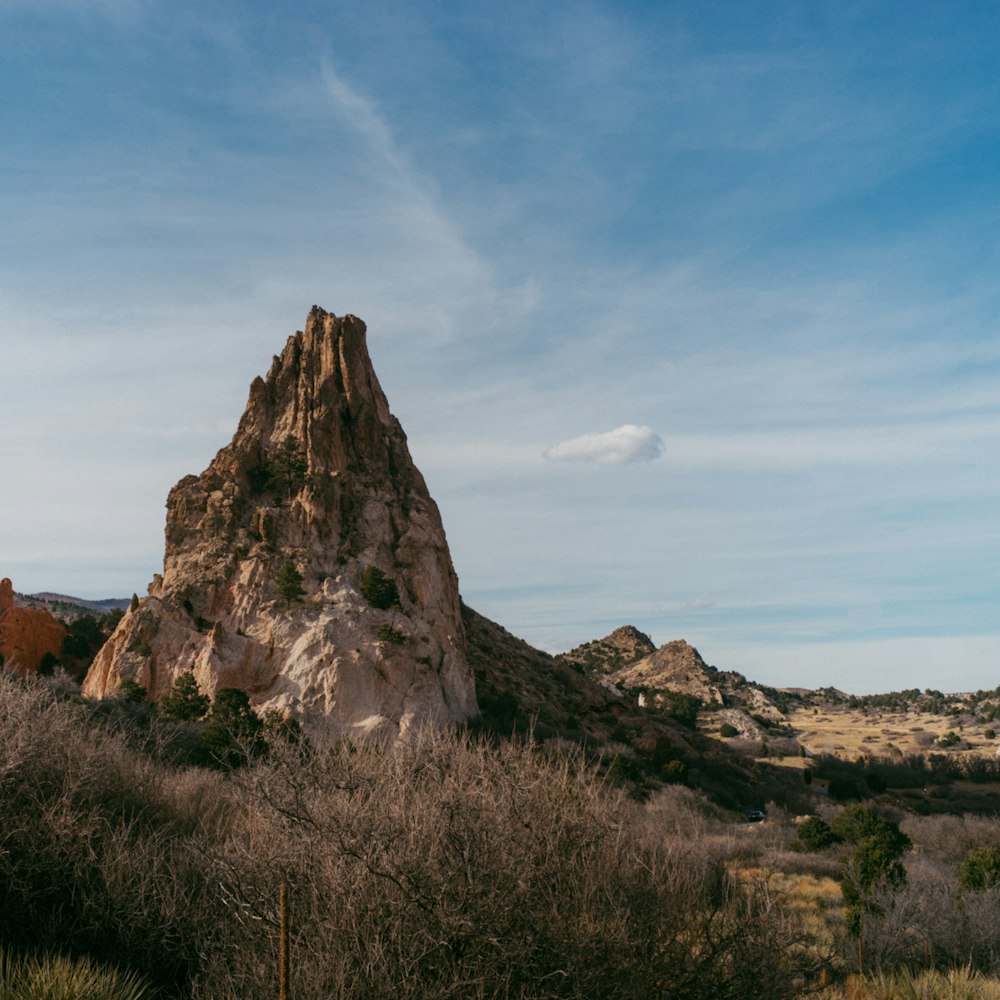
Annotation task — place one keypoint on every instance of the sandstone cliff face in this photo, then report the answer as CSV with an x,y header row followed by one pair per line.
x,y
27,635
318,481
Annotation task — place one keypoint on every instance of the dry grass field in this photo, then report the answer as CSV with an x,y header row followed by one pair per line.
x,y
852,733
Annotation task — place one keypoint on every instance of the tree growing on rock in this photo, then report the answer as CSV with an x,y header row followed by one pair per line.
x,y
289,582
289,466
379,590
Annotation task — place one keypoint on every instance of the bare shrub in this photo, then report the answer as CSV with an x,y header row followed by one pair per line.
x,y
949,838
92,846
927,924
439,868
446,869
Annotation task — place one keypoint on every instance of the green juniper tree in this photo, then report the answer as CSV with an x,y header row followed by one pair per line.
x,y
234,731
289,582
980,868
289,466
185,701
379,590
875,862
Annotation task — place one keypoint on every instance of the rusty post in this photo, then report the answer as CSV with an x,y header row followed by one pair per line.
x,y
283,942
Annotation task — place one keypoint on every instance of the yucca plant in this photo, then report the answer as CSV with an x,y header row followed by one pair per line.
x,y
955,984
56,977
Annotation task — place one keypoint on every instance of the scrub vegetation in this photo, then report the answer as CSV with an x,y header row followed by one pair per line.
x,y
450,866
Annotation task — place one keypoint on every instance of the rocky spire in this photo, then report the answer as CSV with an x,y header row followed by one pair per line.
x,y
270,553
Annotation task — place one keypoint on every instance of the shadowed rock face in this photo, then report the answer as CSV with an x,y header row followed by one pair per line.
x,y
27,635
318,478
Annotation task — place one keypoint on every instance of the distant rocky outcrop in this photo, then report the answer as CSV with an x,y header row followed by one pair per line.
x,y
676,666
28,636
605,656
307,564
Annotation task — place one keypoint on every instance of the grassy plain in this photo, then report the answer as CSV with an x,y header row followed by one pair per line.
x,y
852,732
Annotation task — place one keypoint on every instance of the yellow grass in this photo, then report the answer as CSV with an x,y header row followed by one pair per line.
x,y
850,733
956,984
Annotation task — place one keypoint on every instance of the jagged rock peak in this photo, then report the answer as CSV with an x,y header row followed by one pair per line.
x,y
315,493
675,666
624,645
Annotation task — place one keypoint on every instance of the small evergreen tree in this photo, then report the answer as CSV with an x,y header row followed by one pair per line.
x,y
233,734
814,834
185,701
378,589
231,710
131,690
874,863
289,582
289,466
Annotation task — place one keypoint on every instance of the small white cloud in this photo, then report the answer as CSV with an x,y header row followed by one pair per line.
x,y
628,443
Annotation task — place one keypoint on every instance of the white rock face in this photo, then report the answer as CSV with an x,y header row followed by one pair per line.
x,y
318,476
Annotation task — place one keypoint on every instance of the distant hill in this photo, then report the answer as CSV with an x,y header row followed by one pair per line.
x,y
67,608
603,656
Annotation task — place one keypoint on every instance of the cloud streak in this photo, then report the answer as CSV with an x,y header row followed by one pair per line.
x,y
622,446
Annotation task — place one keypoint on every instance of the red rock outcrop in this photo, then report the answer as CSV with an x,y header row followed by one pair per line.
x,y
27,635
317,481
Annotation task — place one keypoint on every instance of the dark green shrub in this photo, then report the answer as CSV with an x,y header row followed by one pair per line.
x,y
47,665
727,731
280,730
387,633
185,701
674,771
980,868
233,734
85,638
289,582
131,690
378,589
843,789
259,477
875,782
814,834
289,466
683,708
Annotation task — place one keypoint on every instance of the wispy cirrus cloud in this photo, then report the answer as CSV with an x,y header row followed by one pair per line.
x,y
625,444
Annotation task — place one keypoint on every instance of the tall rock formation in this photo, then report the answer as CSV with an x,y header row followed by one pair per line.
x,y
27,635
317,482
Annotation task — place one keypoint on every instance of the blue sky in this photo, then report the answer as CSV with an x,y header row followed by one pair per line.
x,y
689,310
